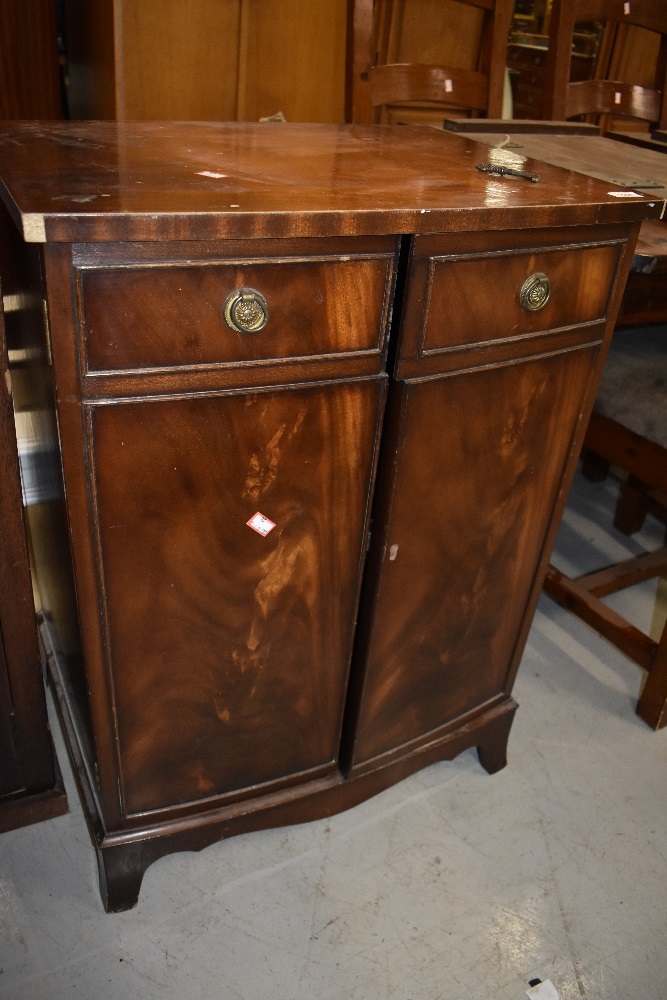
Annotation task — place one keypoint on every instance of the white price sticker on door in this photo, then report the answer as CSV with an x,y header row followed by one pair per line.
x,y
261,524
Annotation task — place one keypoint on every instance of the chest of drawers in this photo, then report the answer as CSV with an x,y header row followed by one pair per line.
x,y
317,394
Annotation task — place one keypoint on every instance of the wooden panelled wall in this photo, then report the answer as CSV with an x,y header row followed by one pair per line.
x,y
220,60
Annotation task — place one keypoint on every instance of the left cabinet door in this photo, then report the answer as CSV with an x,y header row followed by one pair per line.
x,y
217,647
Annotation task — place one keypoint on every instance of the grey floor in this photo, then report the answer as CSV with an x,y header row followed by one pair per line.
x,y
453,884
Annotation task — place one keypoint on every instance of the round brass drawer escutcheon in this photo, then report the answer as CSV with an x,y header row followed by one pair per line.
x,y
246,310
535,292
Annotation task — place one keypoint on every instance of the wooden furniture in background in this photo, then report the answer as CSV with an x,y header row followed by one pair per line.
x,y
628,430
564,99
29,73
410,60
350,325
219,60
527,64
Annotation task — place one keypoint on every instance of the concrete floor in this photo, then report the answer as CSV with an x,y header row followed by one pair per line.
x,y
453,884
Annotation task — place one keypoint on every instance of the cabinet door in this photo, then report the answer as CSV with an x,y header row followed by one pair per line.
x,y
492,390
228,648
28,786
479,462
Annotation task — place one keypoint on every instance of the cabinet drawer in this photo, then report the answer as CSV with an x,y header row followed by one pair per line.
x,y
143,316
477,298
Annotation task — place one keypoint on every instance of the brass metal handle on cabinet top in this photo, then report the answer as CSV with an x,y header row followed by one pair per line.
x,y
246,310
535,292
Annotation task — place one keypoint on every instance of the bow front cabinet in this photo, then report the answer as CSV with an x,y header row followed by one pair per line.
x,y
317,394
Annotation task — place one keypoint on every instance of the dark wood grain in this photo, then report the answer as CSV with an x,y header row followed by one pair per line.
x,y
229,651
29,76
101,181
464,527
580,280
30,789
316,306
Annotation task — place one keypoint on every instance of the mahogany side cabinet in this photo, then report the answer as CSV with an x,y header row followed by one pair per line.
x,y
317,393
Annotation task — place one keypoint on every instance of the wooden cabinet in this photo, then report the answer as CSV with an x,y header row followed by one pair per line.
x,y
319,402
176,478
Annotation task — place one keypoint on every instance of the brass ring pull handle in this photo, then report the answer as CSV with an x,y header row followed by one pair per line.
x,y
246,310
535,292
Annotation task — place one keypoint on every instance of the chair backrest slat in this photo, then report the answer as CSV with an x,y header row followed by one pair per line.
x,y
563,99
377,84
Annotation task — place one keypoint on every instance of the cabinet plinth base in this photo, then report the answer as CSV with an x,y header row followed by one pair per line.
x,y
124,856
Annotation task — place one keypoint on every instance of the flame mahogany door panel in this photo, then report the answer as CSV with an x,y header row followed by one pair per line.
x,y
473,491
481,430
384,356
228,650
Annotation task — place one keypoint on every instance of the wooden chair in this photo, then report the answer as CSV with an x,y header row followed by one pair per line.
x,y
628,430
379,88
600,96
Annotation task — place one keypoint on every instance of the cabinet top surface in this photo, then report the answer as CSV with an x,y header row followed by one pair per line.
x,y
90,181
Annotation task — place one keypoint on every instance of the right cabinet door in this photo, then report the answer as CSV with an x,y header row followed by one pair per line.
x,y
481,436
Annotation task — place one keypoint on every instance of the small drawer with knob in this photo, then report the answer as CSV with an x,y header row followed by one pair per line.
x,y
477,298
141,313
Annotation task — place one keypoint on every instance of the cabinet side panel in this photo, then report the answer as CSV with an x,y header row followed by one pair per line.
x,y
21,328
292,59
479,466
228,649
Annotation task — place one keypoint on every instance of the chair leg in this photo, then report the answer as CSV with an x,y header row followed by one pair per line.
x,y
652,705
632,506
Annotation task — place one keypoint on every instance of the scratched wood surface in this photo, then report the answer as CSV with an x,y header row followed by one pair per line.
x,y
161,181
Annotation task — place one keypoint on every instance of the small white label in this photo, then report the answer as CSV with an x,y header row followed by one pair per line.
x,y
543,991
261,524
617,97
625,194
626,8
449,86
393,552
